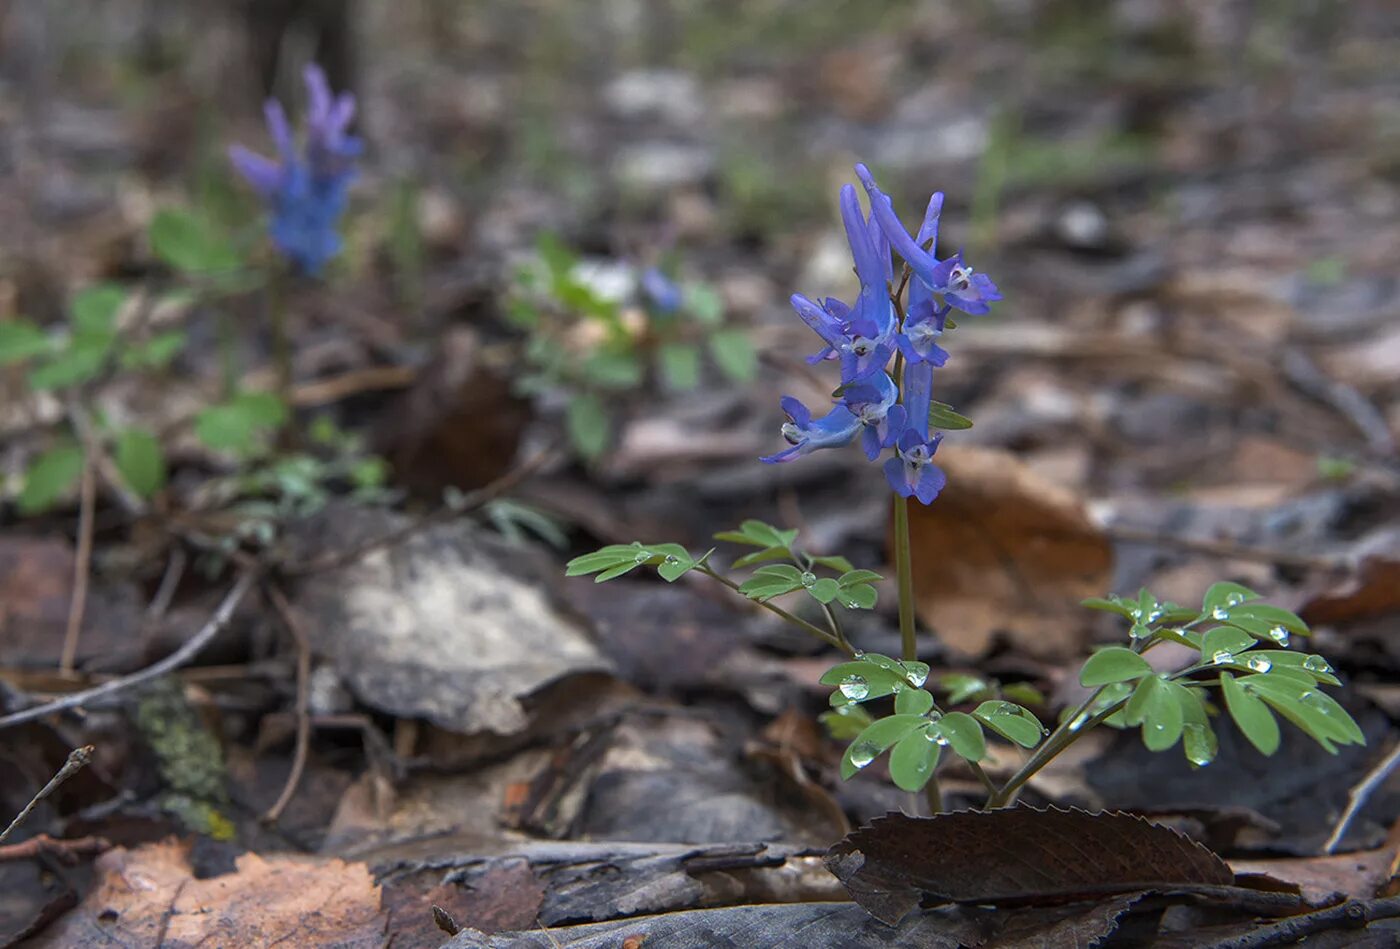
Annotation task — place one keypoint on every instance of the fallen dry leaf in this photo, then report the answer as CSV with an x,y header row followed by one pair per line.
x,y
148,897
1327,880
1017,855
1004,550
1374,591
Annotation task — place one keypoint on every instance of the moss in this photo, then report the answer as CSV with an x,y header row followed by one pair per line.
x,y
189,758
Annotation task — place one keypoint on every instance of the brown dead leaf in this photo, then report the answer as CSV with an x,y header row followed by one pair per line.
x,y
1004,550
1016,855
1374,591
1328,880
149,897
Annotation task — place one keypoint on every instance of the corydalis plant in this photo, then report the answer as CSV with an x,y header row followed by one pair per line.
x,y
306,190
890,409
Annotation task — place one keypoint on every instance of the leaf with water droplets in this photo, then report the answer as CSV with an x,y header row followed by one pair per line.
x,y
862,596
1113,664
1270,616
824,590
1162,719
878,680
774,580
1011,722
1226,595
913,702
1313,711
872,742
1226,640
913,761
1250,714
964,734
1199,744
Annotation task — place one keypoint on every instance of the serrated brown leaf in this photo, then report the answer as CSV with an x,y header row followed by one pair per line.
x,y
1015,856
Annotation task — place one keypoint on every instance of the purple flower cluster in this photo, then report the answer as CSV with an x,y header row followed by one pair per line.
x,y
306,191
864,336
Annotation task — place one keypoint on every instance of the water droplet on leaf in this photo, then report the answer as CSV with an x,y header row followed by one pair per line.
x,y
855,687
642,556
1220,613
1316,663
808,579
1279,635
1234,599
1222,657
1258,664
864,753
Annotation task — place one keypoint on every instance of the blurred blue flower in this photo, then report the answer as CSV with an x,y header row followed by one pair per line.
x,y
306,193
661,291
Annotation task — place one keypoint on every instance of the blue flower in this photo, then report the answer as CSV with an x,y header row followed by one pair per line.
x,y
661,291
951,279
872,401
805,435
306,192
912,473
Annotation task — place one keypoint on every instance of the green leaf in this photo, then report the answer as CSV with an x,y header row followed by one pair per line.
x,y
961,687
853,577
189,243
1163,718
1250,714
1312,665
833,562
1199,744
155,353
734,355
237,424
680,365
704,303
860,597
1011,722
824,590
1135,710
941,415
1109,605
21,340
913,702
588,424
1226,595
1023,692
1113,664
762,556
964,735
846,722
1271,615
603,559
862,681
770,581
873,742
95,309
612,369
756,533
1312,710
1224,641
49,478
81,361
141,461
913,761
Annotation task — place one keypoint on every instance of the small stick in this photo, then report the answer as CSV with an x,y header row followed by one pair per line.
x,y
1360,795
171,662
77,760
82,564
303,741
66,850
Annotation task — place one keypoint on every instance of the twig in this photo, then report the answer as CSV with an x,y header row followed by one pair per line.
x,y
1353,914
82,564
303,739
169,583
173,661
443,514
1227,549
1360,795
77,760
66,850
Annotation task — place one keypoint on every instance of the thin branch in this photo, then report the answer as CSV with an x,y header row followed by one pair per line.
x,y
812,628
66,850
78,759
171,662
303,739
82,565
1360,795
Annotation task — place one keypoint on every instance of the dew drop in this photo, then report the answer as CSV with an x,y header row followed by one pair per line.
x,y
855,687
642,556
808,579
1220,613
672,558
864,753
1007,708
916,675
1222,657
1316,663
1153,616
936,738
1258,664
1159,727
1279,635
1234,599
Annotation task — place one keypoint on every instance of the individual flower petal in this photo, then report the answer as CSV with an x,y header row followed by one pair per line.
x,y
838,427
264,174
869,268
918,396
661,290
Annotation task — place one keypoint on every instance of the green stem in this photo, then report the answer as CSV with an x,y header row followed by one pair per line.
x,y
800,623
904,567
